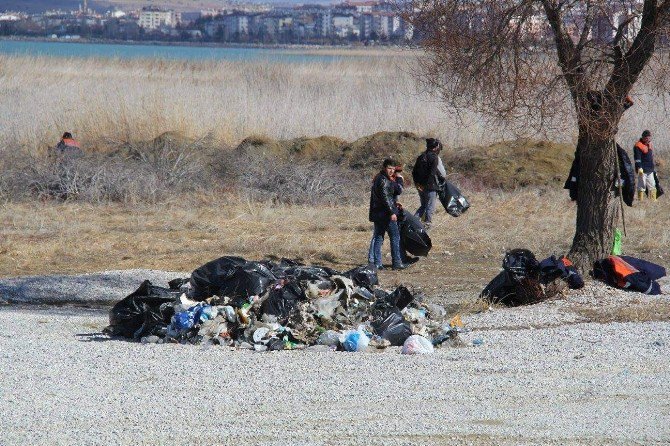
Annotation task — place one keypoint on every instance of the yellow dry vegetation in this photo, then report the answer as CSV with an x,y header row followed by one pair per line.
x,y
44,238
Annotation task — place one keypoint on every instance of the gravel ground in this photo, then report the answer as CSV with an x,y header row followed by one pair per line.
x,y
543,375
105,287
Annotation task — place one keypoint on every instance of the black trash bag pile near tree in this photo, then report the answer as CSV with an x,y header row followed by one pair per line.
x,y
525,281
276,305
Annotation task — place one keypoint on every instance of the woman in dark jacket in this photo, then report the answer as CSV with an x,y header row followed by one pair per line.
x,y
384,215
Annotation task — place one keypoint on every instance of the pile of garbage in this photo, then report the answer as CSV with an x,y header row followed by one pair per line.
x,y
523,280
282,305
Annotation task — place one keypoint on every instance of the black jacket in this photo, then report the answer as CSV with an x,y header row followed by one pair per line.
x,y
382,203
625,172
435,178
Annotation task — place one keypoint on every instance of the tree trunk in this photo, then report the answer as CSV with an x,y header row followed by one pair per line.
x,y
597,208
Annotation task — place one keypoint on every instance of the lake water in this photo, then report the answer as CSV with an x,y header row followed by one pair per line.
x,y
120,51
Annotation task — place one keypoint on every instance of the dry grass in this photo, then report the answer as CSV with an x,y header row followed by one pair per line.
x,y
107,101
180,235
126,100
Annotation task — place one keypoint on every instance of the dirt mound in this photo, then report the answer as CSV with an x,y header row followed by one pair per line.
x,y
320,148
506,165
511,164
369,151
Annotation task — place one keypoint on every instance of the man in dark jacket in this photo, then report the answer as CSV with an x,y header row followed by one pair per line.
x,y
644,166
384,215
428,179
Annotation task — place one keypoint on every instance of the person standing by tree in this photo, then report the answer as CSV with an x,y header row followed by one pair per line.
x,y
428,177
384,214
644,165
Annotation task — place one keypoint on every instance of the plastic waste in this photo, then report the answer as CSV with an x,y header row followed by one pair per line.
x,y
452,199
477,342
518,283
282,300
413,236
182,321
393,327
417,345
208,279
401,297
311,311
416,315
363,276
229,312
355,340
144,312
616,246
329,338
326,306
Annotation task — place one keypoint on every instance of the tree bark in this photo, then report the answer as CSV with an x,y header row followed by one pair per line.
x,y
597,208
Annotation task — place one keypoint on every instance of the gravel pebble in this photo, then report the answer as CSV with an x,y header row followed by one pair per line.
x,y
540,376
106,287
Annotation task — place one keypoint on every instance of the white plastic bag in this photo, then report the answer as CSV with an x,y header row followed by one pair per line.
x,y
417,345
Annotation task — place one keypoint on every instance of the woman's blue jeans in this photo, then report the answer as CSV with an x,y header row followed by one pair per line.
x,y
375,252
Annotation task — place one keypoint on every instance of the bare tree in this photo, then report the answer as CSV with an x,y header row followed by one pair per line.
x,y
535,63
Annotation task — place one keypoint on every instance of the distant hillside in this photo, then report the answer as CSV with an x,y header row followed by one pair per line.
x,y
37,5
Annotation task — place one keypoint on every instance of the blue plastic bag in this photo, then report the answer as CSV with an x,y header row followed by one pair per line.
x,y
182,321
355,341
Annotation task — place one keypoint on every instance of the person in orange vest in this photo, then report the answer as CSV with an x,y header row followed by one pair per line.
x,y
68,147
644,165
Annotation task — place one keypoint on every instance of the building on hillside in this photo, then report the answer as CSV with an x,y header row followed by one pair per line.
x,y
154,18
235,24
118,28
343,21
324,23
360,7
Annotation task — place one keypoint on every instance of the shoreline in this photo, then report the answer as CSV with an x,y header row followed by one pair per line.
x,y
229,45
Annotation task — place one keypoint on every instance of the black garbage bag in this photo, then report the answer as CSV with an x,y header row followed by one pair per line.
x,y
207,279
230,276
452,199
143,312
389,323
363,276
251,279
413,236
521,263
627,175
309,272
401,297
282,300
518,283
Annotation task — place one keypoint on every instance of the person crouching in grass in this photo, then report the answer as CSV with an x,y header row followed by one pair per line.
x,y
384,215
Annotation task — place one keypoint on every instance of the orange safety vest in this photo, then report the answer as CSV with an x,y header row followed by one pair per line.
x,y
73,143
622,270
643,147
